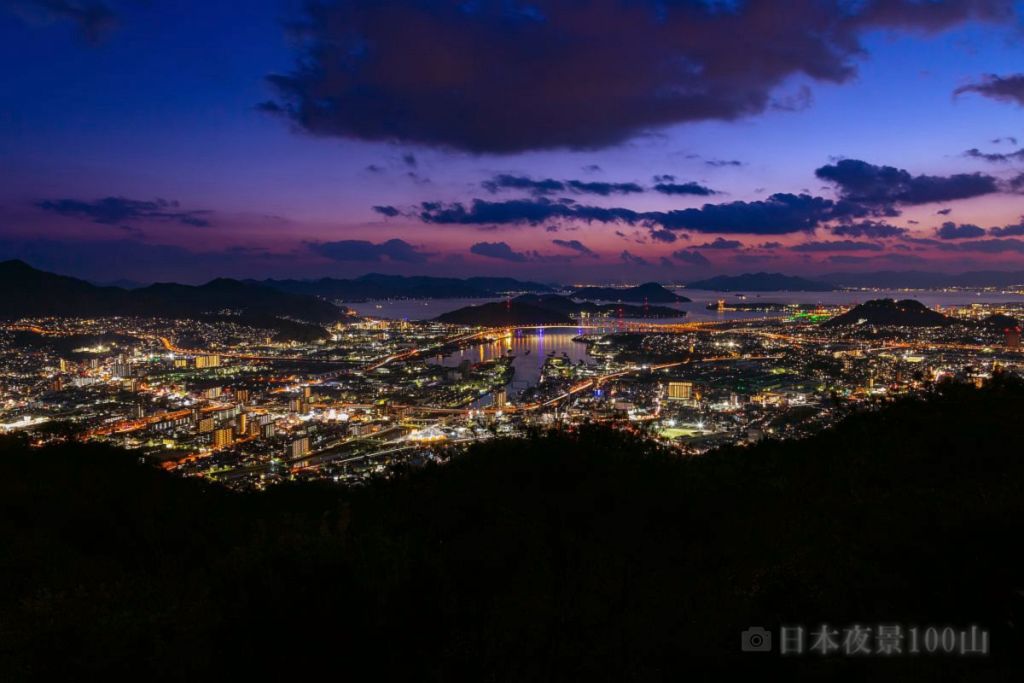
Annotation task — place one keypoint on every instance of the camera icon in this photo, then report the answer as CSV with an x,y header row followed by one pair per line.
x,y
756,639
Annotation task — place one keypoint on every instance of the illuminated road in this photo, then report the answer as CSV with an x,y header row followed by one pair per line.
x,y
597,381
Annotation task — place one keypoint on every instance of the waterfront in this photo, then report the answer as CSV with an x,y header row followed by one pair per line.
x,y
427,309
530,348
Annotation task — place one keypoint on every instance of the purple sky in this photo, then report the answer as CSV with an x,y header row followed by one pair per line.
x,y
611,140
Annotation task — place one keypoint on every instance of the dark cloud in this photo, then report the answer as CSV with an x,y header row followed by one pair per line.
x,y
720,243
859,181
690,188
1008,230
550,186
837,245
498,250
389,211
529,211
576,246
769,245
508,76
1007,139
943,212
633,260
871,229
118,210
94,18
592,168
993,246
952,231
363,251
409,160
661,235
694,258
779,214
603,189
995,157
1002,88
718,163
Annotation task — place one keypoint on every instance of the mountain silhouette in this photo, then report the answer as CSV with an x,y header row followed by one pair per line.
x,y
650,292
29,292
889,312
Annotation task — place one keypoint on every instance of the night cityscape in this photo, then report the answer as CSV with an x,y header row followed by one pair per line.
x,y
627,340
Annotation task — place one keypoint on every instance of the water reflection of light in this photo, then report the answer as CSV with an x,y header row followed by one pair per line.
x,y
530,351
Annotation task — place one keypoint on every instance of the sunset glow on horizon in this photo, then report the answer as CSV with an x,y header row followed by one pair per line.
x,y
175,141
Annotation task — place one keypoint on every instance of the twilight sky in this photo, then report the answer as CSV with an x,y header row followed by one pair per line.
x,y
569,140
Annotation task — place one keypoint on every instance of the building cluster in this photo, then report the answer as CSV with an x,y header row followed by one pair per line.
x,y
227,402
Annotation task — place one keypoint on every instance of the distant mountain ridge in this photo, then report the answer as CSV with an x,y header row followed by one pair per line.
x,y
651,292
378,286
919,279
28,292
760,282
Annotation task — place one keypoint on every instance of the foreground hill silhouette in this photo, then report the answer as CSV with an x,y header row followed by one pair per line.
x,y
889,312
579,556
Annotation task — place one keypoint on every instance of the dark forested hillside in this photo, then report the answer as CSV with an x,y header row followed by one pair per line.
x,y
584,555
